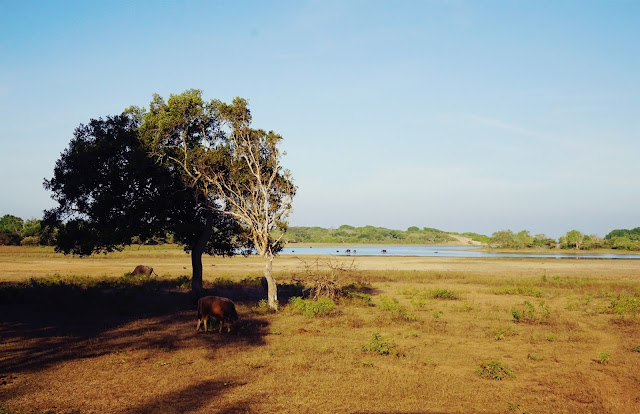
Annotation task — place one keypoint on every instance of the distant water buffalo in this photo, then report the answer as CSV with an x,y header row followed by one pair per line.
x,y
143,270
218,307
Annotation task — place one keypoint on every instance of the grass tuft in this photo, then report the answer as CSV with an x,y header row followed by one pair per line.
x,y
494,370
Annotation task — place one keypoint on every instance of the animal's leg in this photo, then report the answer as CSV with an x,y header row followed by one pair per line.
x,y
198,326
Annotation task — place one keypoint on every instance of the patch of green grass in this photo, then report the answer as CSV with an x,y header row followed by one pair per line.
x,y
380,345
396,310
494,370
502,332
528,313
625,305
519,290
312,308
419,297
636,348
360,298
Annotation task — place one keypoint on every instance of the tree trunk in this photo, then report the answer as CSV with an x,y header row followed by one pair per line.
x,y
272,288
196,254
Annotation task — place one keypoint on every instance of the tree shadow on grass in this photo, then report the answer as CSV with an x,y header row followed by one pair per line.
x,y
43,324
193,398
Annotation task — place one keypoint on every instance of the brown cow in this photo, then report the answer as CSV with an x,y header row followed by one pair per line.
x,y
143,270
218,307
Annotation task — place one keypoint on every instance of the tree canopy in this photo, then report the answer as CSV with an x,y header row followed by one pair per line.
x,y
110,190
215,151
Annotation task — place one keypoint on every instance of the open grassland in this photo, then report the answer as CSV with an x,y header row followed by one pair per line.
x,y
444,335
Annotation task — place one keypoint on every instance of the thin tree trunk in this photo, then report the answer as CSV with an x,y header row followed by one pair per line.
x,y
272,287
196,254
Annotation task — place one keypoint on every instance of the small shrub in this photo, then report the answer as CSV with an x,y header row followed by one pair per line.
x,y
636,349
311,308
494,370
528,313
222,282
362,298
183,282
551,337
603,358
381,345
262,308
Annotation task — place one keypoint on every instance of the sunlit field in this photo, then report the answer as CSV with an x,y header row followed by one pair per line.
x,y
441,335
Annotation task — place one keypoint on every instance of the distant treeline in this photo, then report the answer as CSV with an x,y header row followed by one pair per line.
x,y
621,239
366,235
16,231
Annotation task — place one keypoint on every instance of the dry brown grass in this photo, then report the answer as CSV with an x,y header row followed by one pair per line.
x,y
135,349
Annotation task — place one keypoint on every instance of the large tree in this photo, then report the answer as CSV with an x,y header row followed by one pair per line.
x,y
110,190
222,157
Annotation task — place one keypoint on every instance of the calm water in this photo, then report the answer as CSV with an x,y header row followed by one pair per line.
x,y
434,251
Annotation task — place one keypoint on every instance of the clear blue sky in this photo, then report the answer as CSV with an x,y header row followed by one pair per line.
x,y
461,115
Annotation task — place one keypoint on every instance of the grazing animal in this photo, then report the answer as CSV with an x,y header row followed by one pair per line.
x,y
348,252
384,251
218,307
143,270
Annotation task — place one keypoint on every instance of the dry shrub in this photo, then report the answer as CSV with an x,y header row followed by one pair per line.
x,y
326,277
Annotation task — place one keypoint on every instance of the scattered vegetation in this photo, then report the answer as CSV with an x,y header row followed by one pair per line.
x,y
397,311
519,290
494,370
527,313
380,345
502,332
144,342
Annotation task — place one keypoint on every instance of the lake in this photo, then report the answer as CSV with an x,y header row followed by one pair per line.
x,y
439,251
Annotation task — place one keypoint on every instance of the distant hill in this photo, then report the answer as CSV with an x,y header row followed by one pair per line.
x,y
378,235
